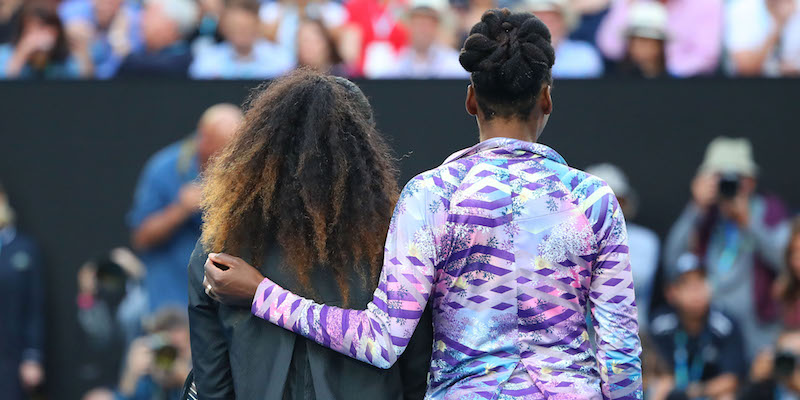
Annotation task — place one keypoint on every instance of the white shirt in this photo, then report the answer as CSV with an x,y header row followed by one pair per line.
x,y
441,62
748,24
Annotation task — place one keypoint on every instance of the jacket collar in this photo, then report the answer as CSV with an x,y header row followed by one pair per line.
x,y
508,145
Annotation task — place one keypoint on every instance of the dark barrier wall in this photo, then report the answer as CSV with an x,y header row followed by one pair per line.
x,y
71,152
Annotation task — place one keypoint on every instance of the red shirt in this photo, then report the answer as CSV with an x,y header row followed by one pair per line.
x,y
379,20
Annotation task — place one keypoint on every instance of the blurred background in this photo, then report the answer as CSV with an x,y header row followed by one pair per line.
x,y
110,109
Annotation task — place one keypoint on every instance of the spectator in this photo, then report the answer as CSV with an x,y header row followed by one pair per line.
x,y
106,30
39,48
645,53
316,49
21,309
702,345
694,28
788,285
762,37
373,34
643,242
775,374
425,57
165,218
111,304
165,27
10,19
471,15
738,233
591,14
282,19
574,59
243,54
157,364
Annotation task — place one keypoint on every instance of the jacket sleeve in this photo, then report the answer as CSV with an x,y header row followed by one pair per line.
x,y
379,334
212,369
613,305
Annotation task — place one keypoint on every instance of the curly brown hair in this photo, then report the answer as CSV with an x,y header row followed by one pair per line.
x,y
309,170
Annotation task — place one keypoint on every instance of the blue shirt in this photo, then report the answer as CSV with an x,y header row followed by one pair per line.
x,y
159,186
220,61
104,59
67,69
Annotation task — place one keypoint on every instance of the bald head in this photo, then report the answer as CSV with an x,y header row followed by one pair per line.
x,y
216,128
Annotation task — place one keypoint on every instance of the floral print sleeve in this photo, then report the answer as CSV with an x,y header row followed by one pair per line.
x,y
379,334
613,307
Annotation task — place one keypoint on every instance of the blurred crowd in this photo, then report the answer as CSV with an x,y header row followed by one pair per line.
x,y
420,39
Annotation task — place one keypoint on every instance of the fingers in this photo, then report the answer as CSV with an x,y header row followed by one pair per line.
x,y
225,259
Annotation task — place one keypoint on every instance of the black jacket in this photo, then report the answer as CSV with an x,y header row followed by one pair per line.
x,y
237,355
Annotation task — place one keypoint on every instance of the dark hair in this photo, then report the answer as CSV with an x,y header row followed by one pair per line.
x,y
335,57
309,170
48,16
791,290
509,56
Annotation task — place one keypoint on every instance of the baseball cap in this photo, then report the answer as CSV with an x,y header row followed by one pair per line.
x,y
686,263
648,19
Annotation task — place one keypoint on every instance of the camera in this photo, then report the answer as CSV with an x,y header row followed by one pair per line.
x,y
729,185
164,353
784,364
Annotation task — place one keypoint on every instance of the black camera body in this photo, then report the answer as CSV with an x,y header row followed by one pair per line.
x,y
729,184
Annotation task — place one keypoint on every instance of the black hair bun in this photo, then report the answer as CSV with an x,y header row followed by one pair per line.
x,y
508,54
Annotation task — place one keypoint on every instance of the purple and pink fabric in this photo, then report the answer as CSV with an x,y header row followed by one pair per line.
x,y
512,248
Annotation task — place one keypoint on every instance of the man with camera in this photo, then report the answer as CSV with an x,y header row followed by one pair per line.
x,y
776,372
157,364
739,235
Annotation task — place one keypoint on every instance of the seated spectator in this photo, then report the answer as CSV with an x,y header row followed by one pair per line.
x,y
739,234
700,344
775,374
39,48
592,13
243,54
471,15
643,243
694,29
282,19
316,49
574,59
157,364
762,37
165,26
425,57
106,30
788,285
165,217
645,52
22,312
373,34
10,19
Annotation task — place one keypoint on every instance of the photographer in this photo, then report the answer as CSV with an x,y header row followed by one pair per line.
x,y
739,234
157,364
701,346
775,373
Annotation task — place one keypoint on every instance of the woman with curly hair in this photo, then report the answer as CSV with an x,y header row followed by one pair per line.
x,y
304,192
509,245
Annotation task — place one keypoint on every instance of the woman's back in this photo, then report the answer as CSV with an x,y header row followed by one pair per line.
x,y
531,243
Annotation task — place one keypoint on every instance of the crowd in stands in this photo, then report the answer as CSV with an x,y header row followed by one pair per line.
x,y
260,39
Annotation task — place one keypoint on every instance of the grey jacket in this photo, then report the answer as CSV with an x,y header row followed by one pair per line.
x,y
237,355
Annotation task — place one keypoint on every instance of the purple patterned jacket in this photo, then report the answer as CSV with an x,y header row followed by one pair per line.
x,y
512,247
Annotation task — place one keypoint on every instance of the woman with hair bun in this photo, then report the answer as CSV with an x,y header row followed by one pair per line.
x,y
509,246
